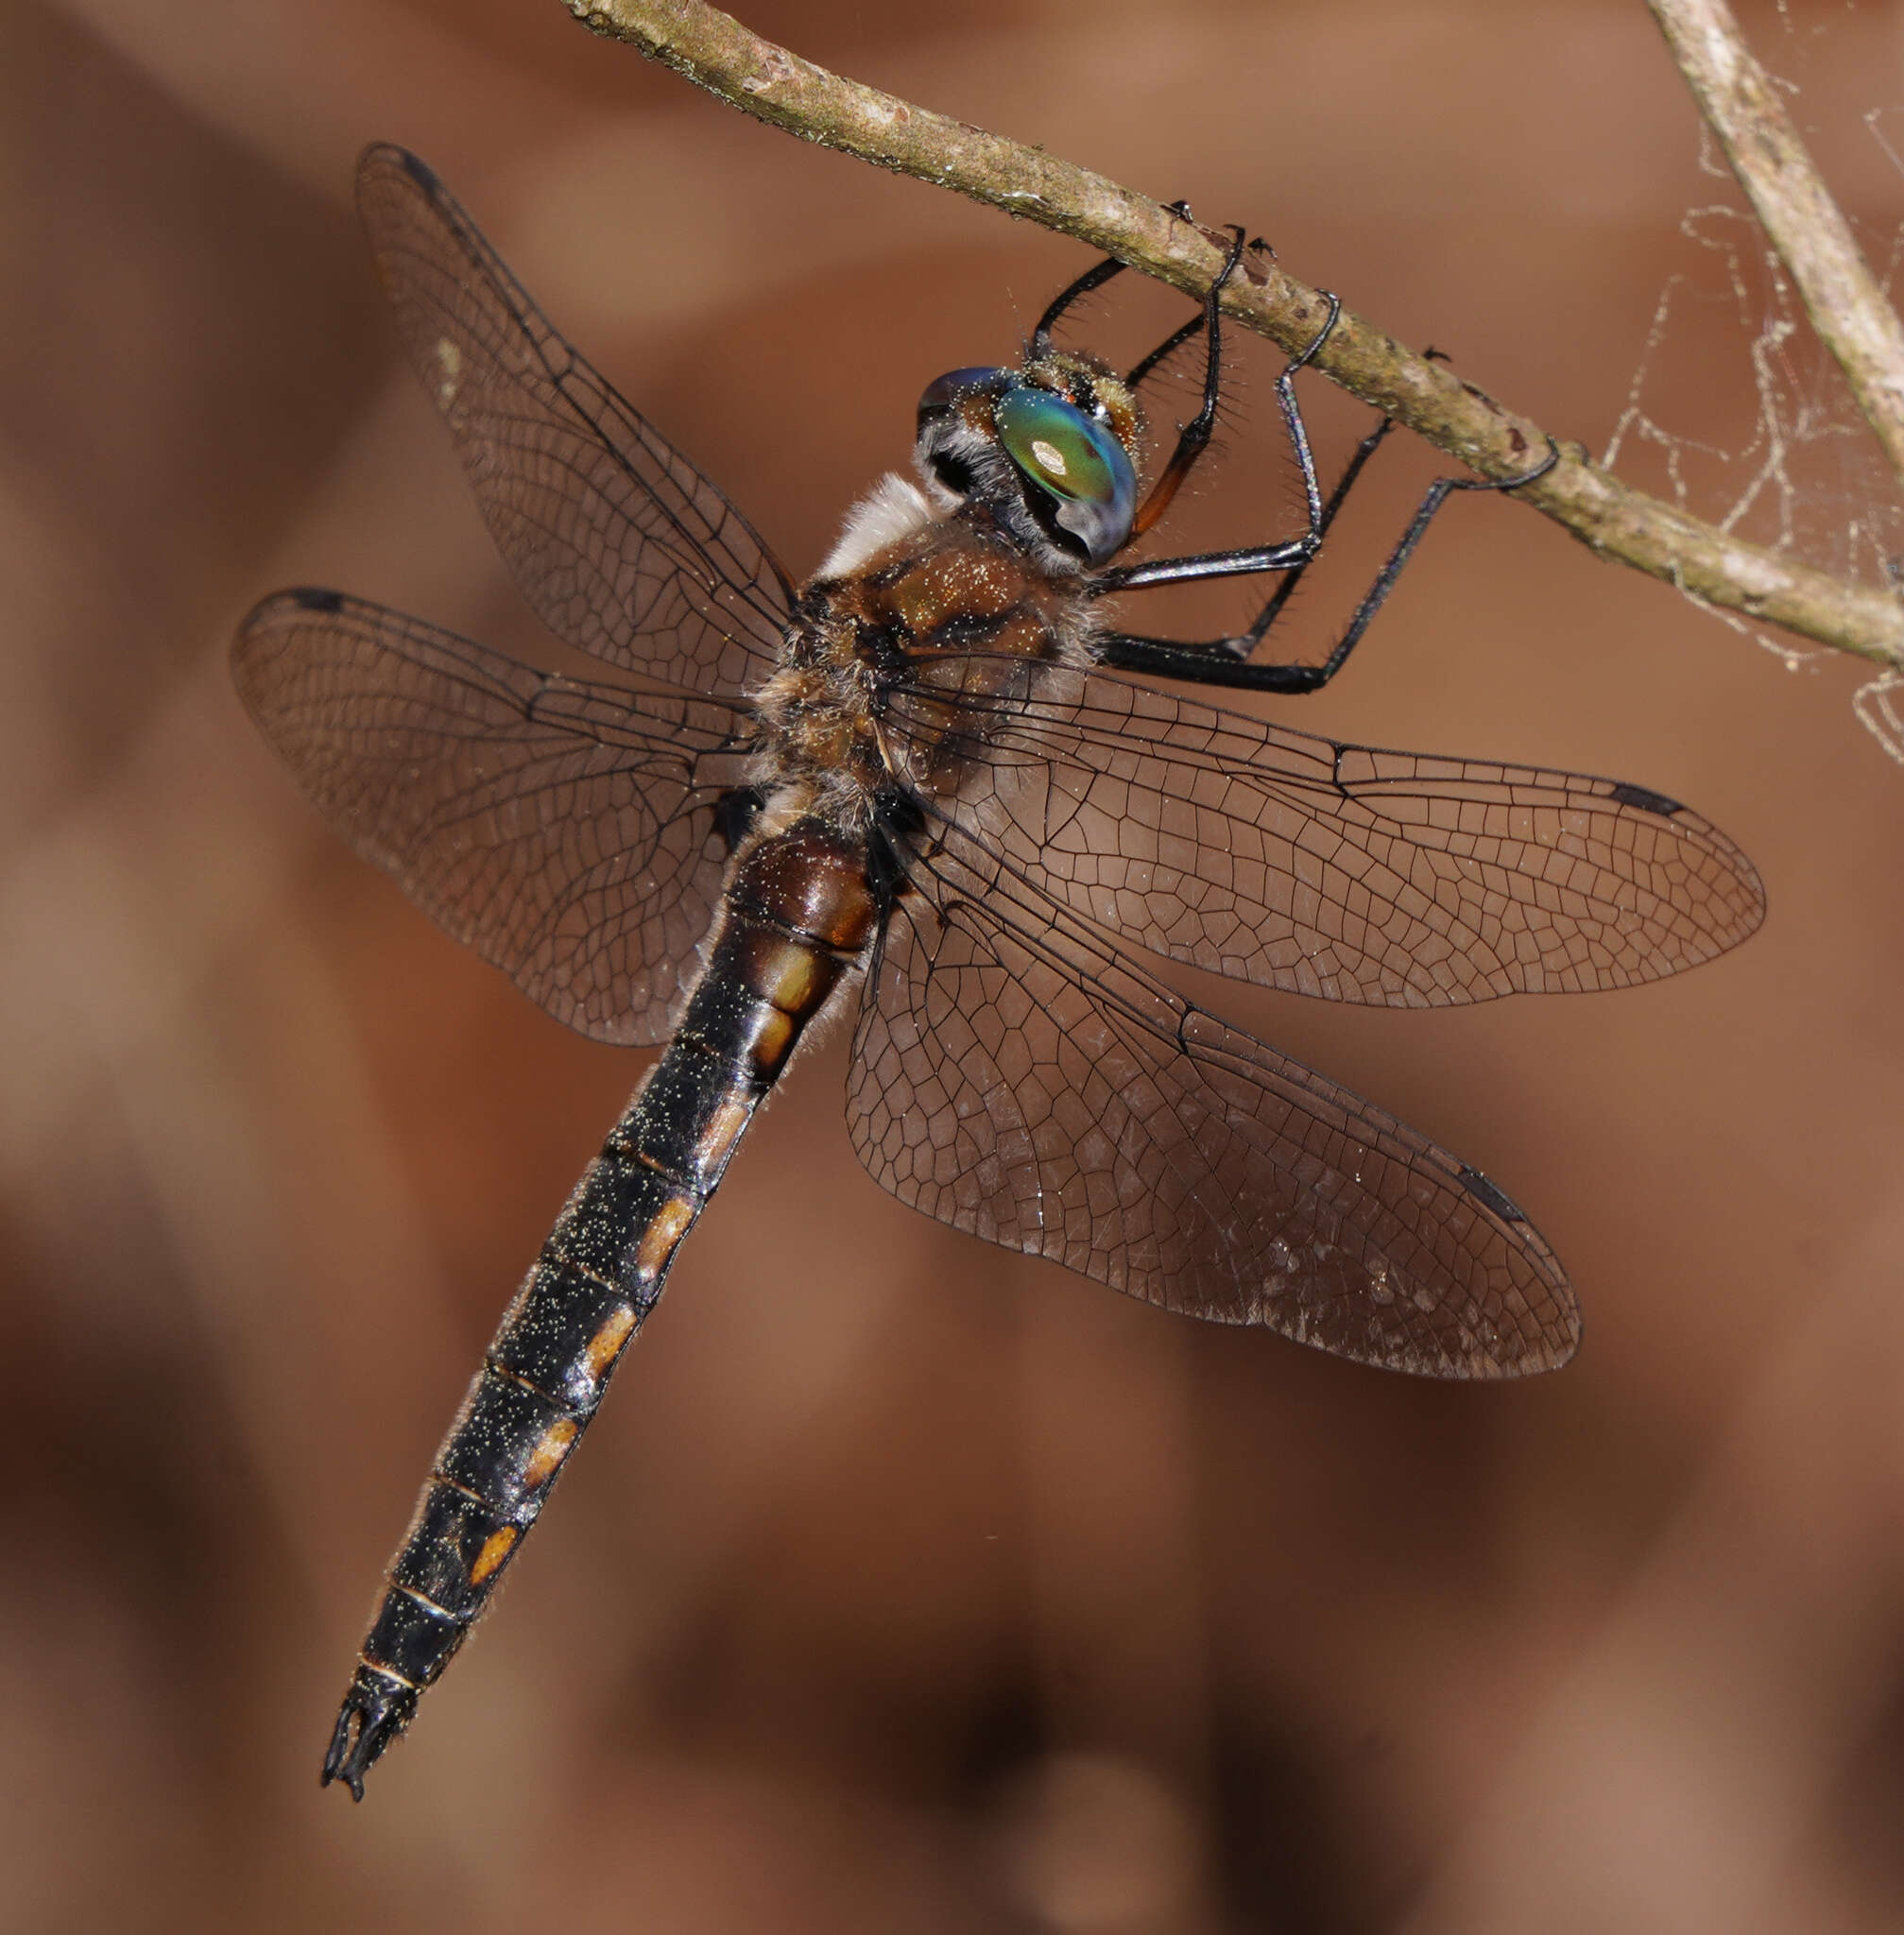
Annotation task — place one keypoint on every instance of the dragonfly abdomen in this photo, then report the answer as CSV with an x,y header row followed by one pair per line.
x,y
796,913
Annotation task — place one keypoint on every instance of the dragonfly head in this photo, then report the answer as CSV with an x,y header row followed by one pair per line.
x,y
1047,450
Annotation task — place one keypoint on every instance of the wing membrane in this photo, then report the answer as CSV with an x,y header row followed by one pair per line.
x,y
1013,1077
565,830
621,546
1397,878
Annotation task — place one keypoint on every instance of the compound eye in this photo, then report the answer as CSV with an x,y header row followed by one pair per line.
x,y
945,393
1076,459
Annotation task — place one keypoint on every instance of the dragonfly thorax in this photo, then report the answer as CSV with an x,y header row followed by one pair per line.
x,y
950,605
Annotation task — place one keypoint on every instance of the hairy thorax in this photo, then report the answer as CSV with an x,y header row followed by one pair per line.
x,y
945,617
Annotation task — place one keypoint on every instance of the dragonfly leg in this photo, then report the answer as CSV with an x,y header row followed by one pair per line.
x,y
1225,661
1193,438
1095,278
1288,556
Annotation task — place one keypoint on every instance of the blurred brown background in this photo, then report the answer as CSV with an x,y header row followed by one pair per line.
x,y
906,1586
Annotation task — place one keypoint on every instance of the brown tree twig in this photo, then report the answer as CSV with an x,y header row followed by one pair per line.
x,y
1794,207
717,53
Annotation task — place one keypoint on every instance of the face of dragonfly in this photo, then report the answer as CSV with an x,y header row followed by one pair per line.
x,y
1048,450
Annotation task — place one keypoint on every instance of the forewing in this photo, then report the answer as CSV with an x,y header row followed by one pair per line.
x,y
1013,1077
565,830
620,544
1404,880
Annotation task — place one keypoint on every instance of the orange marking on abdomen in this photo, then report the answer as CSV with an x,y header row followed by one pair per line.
x,y
605,1346
496,1547
551,1449
772,1033
785,972
722,1132
663,1236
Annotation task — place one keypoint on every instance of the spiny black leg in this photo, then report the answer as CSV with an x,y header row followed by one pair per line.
x,y
1175,340
1299,431
1286,585
1436,495
1246,642
1194,437
1094,278
1213,662
1287,555
1194,327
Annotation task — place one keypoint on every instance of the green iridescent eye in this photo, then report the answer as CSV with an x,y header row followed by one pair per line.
x,y
1077,460
1056,444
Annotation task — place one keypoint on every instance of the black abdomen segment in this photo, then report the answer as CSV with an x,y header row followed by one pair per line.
x,y
797,910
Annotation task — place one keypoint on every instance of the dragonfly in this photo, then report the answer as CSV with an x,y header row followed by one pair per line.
x,y
927,776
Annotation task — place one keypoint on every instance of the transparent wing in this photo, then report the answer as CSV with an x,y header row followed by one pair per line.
x,y
619,543
1013,1077
567,832
1402,880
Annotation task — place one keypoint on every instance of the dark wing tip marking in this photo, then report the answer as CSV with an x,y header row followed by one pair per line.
x,y
1645,800
261,634
312,598
379,155
1491,1192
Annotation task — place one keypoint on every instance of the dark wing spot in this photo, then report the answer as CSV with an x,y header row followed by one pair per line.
x,y
316,598
1492,1194
1647,801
